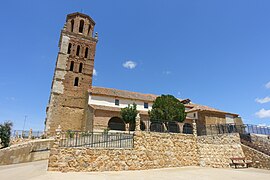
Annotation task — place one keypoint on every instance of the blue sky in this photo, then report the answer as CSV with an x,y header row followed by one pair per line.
x,y
216,53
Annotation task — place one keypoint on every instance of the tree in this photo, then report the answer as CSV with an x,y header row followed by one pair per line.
x,y
5,133
129,114
167,108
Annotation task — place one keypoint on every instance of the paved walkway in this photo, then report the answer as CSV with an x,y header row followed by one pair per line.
x,y
37,171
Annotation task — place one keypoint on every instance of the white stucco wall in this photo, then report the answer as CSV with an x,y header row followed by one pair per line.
x,y
193,115
110,101
229,119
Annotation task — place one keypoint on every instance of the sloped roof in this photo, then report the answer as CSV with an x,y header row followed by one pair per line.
x,y
122,93
198,107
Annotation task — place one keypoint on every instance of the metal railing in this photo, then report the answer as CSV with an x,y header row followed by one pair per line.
x,y
215,129
96,140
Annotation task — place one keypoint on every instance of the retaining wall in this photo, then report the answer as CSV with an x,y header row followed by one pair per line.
x,y
26,152
216,151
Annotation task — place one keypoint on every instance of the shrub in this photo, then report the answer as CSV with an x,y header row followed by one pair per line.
x,y
129,114
5,133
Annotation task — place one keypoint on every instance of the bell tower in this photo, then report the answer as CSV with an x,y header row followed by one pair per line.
x,y
73,75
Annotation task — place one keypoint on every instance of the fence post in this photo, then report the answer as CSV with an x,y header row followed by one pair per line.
x,y
138,123
194,128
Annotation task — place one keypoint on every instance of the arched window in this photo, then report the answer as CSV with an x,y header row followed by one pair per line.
x,y
86,53
89,28
81,26
187,128
69,48
76,81
71,66
78,50
80,67
72,25
116,123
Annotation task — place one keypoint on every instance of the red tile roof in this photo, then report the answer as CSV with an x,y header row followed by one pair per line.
x,y
198,107
122,94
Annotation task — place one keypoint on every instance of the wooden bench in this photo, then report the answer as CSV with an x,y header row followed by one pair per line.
x,y
240,161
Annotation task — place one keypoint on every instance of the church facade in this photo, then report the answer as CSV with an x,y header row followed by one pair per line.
x,y
75,104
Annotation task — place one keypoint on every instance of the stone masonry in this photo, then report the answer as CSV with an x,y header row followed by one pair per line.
x,y
216,151
151,150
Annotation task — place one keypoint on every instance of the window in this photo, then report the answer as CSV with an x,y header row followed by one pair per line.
x,y
89,29
72,25
116,102
81,26
145,105
71,66
76,81
80,67
86,53
69,48
78,50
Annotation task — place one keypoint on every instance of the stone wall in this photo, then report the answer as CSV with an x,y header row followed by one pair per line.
x,y
26,152
151,150
261,141
216,151
259,160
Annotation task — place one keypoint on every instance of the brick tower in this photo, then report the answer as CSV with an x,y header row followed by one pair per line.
x,y
73,74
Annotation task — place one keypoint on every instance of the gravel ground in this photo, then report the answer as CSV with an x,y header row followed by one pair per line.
x,y
37,170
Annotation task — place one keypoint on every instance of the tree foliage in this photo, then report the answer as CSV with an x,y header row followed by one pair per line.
x,y
129,113
167,108
5,133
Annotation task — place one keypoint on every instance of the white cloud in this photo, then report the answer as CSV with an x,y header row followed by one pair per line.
x,y
95,72
10,98
263,100
267,85
263,113
167,72
129,64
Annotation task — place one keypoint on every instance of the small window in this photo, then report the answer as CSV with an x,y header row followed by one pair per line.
x,y
194,115
69,48
145,105
80,67
86,53
72,25
116,102
71,66
89,28
76,81
81,26
78,50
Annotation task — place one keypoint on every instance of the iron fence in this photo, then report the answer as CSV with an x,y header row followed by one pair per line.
x,y
231,128
96,140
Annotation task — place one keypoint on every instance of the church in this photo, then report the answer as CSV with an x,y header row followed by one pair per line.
x,y
75,104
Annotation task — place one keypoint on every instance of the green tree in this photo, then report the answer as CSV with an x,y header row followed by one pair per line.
x,y
5,133
167,108
129,114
